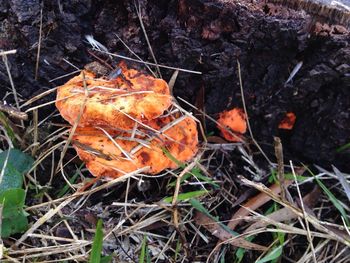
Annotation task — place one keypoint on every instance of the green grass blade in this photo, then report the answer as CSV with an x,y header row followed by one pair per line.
x,y
171,157
186,196
144,255
197,205
66,188
343,148
107,259
95,256
273,255
334,200
177,249
4,121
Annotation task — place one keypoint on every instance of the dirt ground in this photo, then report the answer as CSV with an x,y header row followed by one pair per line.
x,y
206,36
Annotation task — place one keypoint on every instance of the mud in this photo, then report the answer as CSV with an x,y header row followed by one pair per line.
x,y
207,36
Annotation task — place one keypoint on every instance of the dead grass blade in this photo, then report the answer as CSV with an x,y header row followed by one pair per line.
x,y
76,123
8,52
343,181
216,230
254,203
286,214
304,214
39,45
247,116
149,63
334,234
138,11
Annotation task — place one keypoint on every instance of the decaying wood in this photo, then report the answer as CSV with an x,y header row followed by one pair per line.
x,y
13,112
335,12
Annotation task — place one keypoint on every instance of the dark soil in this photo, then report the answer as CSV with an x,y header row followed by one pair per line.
x,y
209,36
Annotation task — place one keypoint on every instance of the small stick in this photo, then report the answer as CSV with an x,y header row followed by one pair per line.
x,y
13,112
280,165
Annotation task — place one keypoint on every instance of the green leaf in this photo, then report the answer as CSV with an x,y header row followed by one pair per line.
x,y
17,164
195,171
185,196
14,218
20,160
95,256
274,254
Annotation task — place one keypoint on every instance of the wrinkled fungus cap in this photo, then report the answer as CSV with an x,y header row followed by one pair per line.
x,y
113,102
122,128
235,121
101,148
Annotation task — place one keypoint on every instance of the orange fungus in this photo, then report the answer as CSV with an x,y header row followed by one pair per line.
x,y
113,102
232,124
288,121
121,124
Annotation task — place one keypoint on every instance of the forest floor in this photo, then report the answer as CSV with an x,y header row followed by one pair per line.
x,y
260,200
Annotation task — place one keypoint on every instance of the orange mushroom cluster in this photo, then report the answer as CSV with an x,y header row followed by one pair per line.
x,y
124,124
232,124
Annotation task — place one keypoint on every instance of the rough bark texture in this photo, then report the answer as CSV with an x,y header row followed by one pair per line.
x,y
209,36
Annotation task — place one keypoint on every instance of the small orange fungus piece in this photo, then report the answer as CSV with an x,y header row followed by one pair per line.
x,y
121,124
235,121
288,121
